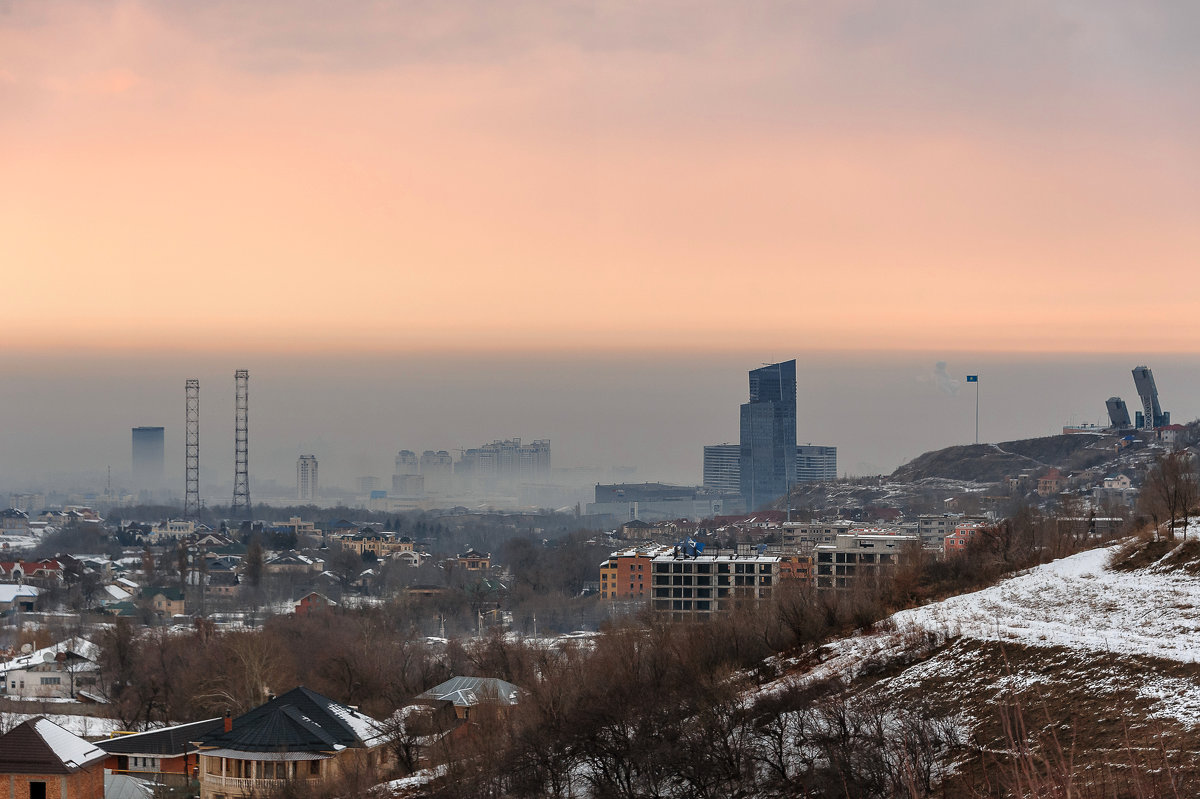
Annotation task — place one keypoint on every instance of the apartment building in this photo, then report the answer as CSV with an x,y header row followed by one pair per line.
x,y
626,574
695,587
855,558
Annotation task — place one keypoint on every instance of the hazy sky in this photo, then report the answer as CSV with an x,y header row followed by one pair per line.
x,y
513,186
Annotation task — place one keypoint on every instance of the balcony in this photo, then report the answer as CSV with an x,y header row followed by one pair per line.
x,y
247,784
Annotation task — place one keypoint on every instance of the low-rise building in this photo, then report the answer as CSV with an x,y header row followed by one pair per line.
x,y
806,535
934,527
167,756
964,533
1051,483
41,760
14,522
475,561
854,559
300,737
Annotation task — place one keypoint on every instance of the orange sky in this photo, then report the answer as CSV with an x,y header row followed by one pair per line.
x,y
321,176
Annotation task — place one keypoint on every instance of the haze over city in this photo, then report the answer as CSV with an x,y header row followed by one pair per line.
x,y
438,227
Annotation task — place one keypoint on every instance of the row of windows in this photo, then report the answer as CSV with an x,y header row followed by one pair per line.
x,y
688,567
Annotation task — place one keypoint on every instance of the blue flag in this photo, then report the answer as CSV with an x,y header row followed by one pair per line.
x,y
972,378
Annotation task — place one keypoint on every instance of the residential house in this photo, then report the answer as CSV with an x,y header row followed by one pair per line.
x,y
60,671
299,736
958,541
46,571
1051,483
172,530
16,598
41,760
14,522
165,602
168,756
313,602
475,561
463,694
293,562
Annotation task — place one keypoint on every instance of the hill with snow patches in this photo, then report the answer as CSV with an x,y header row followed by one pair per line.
x,y
1096,655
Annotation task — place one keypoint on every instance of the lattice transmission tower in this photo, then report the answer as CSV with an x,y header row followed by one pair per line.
x,y
191,450
241,476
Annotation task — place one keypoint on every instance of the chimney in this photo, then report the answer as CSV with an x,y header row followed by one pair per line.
x,y
228,721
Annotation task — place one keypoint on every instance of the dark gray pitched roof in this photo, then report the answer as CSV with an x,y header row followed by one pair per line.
x,y
299,721
471,691
39,746
165,742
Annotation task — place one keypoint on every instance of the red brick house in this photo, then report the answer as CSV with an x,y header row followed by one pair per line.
x,y
313,602
168,756
41,760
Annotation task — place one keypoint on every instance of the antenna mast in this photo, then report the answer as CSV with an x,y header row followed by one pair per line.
x,y
241,478
191,450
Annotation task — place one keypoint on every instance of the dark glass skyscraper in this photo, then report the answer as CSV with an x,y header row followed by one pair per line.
x,y
768,435
147,458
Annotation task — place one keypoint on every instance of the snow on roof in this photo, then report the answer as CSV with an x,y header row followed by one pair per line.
x,y
366,728
72,750
80,646
9,592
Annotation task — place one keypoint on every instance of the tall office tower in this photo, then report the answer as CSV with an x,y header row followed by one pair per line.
x,y
815,464
148,457
1151,415
191,450
768,435
438,470
306,478
722,467
1118,413
241,435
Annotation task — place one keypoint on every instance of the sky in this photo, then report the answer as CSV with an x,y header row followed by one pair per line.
x,y
296,185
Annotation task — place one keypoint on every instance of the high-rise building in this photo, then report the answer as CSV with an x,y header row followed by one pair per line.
x,y
148,457
768,435
722,467
407,462
438,470
306,478
815,464
507,461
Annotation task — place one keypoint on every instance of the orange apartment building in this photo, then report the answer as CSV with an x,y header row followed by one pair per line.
x,y
964,533
796,567
626,574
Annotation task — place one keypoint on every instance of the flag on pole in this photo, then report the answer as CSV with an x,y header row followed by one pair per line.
x,y
972,378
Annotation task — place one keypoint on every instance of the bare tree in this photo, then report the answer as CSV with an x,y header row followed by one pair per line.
x,y
1170,491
